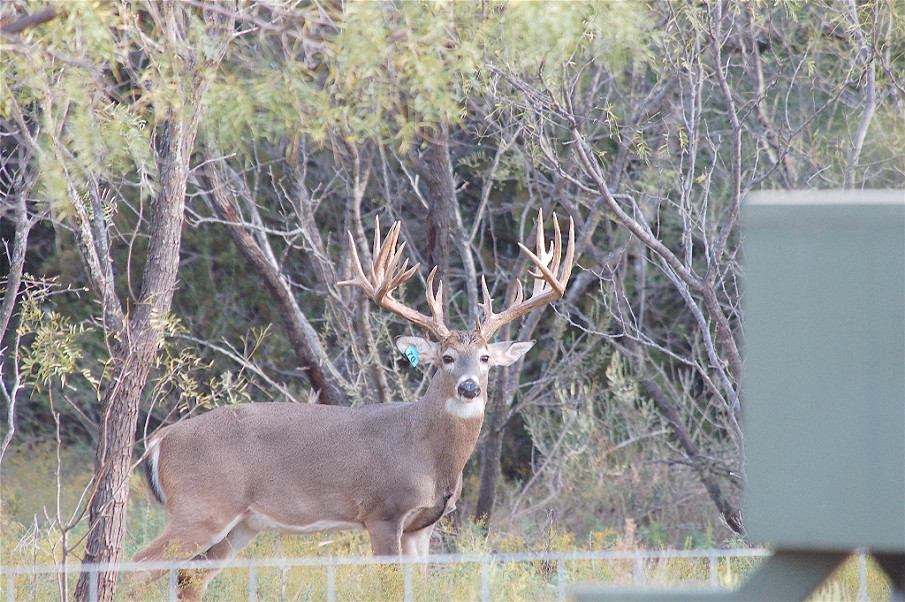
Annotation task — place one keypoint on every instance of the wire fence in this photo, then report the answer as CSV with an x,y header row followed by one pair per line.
x,y
711,569
561,571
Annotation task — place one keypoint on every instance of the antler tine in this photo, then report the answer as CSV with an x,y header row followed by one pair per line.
x,y
385,255
386,263
385,275
557,246
435,301
359,279
550,280
375,251
487,305
544,256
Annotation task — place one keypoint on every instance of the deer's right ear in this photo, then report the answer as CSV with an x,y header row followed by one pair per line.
x,y
421,349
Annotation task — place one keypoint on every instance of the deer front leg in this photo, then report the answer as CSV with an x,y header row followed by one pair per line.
x,y
386,537
386,541
417,543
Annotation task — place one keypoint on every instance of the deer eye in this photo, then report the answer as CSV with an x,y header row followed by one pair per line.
x,y
448,359
485,358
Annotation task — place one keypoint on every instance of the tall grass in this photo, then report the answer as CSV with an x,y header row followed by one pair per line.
x,y
30,534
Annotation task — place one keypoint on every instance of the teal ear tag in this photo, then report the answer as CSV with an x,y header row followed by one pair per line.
x,y
412,354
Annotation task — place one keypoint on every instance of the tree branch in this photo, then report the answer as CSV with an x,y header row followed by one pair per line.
x,y
13,27
302,336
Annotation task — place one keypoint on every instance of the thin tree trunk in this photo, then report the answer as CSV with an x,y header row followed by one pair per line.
x,y
16,266
435,167
16,262
727,508
491,452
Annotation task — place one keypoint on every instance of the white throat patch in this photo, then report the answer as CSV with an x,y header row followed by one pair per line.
x,y
460,408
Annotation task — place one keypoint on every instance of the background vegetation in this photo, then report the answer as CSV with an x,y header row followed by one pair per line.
x,y
177,180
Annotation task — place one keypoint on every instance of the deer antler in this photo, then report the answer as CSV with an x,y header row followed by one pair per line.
x,y
385,276
549,283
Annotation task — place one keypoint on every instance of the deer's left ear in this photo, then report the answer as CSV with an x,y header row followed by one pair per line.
x,y
420,349
507,353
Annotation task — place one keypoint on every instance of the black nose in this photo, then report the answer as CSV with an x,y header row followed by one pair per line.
x,y
469,389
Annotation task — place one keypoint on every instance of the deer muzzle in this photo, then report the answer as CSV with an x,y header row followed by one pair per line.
x,y
468,389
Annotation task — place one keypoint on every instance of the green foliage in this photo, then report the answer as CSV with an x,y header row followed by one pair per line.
x,y
387,74
394,74
51,356
550,37
86,132
64,367
596,464
53,353
181,384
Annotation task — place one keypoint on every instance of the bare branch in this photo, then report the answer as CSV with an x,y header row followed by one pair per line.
x,y
10,27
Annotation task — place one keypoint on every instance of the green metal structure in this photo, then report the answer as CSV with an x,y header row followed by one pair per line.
x,y
824,391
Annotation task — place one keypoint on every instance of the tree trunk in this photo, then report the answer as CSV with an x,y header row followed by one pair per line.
x,y
16,261
492,450
435,167
133,357
727,508
112,466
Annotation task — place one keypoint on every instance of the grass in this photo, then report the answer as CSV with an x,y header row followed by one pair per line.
x,y
30,534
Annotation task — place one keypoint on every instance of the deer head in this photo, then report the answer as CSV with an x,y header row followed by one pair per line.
x,y
385,275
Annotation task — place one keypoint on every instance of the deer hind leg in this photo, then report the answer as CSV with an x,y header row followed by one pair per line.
x,y
192,584
183,538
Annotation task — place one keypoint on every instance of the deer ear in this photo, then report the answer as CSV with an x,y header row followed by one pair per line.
x,y
417,349
507,353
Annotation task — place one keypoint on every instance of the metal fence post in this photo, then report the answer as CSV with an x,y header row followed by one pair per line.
x,y
407,581
92,584
561,579
11,587
485,581
714,583
172,589
252,583
637,568
331,581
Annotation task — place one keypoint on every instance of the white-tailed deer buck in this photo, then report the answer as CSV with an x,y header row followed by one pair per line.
x,y
391,469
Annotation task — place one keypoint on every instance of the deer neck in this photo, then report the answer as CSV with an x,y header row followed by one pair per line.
x,y
452,436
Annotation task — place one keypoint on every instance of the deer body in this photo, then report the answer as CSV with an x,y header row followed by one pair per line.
x,y
324,478
391,469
